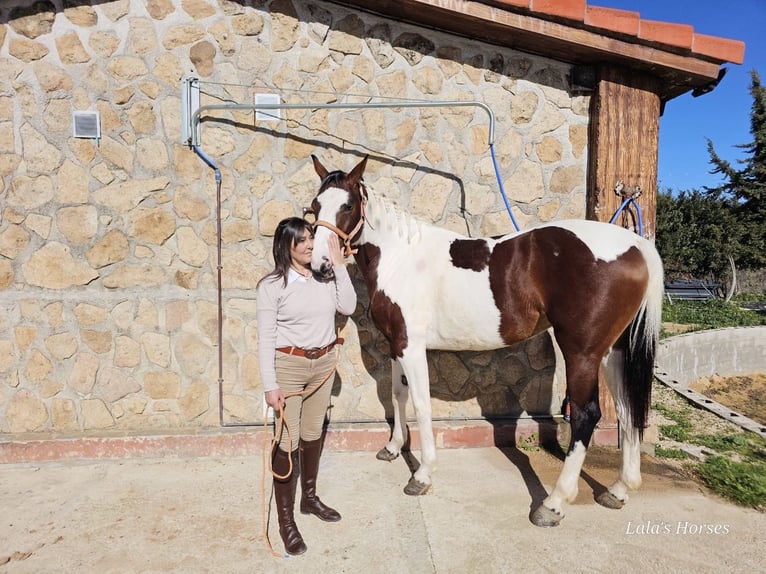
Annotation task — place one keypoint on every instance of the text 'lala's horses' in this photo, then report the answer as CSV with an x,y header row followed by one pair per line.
x,y
598,286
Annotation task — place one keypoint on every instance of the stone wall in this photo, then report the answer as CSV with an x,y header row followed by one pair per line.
x,y
108,250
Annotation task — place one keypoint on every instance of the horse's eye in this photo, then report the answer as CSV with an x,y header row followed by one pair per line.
x,y
347,207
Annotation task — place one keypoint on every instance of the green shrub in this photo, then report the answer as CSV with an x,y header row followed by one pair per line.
x,y
711,314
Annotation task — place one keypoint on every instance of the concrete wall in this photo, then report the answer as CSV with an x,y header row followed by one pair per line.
x,y
108,303
683,359
734,351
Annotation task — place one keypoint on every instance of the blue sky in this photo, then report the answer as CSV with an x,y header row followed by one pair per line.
x,y
722,115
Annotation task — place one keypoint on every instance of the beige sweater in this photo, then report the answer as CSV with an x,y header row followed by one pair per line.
x,y
299,315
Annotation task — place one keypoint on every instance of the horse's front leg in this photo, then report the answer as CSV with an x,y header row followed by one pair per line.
x,y
400,396
582,386
415,366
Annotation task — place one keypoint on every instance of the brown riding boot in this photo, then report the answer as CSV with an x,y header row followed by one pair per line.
x,y
284,494
310,503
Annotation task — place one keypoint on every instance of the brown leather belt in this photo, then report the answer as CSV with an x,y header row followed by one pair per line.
x,y
314,353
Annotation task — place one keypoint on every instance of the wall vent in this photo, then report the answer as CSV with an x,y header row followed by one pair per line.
x,y
86,125
268,115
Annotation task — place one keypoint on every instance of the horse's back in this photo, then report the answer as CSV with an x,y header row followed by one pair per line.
x,y
605,240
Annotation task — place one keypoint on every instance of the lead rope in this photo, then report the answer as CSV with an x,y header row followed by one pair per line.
x,y
267,453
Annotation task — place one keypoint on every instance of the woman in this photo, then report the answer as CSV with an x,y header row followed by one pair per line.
x,y
296,338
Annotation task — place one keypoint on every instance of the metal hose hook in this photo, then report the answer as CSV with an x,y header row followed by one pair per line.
x,y
630,195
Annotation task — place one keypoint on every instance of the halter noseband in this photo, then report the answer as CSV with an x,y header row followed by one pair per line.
x,y
347,237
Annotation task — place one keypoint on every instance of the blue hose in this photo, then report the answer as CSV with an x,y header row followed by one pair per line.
x,y
208,161
638,214
502,190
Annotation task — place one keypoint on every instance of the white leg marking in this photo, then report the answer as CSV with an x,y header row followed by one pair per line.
x,y
630,470
415,368
566,486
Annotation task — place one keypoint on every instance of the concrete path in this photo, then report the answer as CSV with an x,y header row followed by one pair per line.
x,y
205,515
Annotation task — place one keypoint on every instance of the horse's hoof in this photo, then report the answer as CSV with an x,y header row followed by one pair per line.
x,y
609,500
416,488
385,454
545,517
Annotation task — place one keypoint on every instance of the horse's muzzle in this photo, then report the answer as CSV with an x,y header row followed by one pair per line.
x,y
326,271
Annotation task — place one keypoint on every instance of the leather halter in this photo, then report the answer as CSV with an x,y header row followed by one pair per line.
x,y
347,237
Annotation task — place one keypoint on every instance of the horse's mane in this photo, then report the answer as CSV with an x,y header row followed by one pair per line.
x,y
388,218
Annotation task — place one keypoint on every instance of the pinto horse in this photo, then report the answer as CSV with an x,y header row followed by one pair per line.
x,y
598,286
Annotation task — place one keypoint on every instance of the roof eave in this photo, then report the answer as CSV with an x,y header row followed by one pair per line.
x,y
575,42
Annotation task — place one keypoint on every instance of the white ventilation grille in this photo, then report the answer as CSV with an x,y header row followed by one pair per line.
x,y
268,115
86,125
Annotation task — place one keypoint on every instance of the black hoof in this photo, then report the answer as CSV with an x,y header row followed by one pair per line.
x,y
544,517
416,488
609,500
385,454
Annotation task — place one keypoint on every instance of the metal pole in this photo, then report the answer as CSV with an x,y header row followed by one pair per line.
x,y
196,116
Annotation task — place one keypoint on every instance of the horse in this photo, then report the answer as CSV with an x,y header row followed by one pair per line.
x,y
598,286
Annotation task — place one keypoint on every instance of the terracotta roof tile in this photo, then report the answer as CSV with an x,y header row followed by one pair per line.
x,y
627,24
570,9
719,48
668,33
665,33
612,19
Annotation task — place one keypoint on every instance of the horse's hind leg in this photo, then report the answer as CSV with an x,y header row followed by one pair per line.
x,y
582,385
630,471
400,395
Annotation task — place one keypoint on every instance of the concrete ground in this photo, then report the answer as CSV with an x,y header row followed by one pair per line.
x,y
191,515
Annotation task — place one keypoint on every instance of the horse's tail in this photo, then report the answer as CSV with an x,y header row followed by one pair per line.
x,y
643,335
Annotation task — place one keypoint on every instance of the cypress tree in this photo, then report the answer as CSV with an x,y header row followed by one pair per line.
x,y
744,190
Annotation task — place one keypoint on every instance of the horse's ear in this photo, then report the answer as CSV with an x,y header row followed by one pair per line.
x,y
319,168
356,174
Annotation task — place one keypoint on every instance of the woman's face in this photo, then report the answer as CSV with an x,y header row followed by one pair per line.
x,y
300,252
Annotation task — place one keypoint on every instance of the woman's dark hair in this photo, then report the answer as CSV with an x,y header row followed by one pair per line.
x,y
288,232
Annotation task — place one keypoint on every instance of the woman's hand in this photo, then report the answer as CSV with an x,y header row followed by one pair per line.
x,y
275,398
336,252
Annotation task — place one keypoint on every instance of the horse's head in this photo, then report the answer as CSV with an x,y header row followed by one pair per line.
x,y
339,209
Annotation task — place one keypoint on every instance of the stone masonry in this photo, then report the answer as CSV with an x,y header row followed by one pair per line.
x,y
108,247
